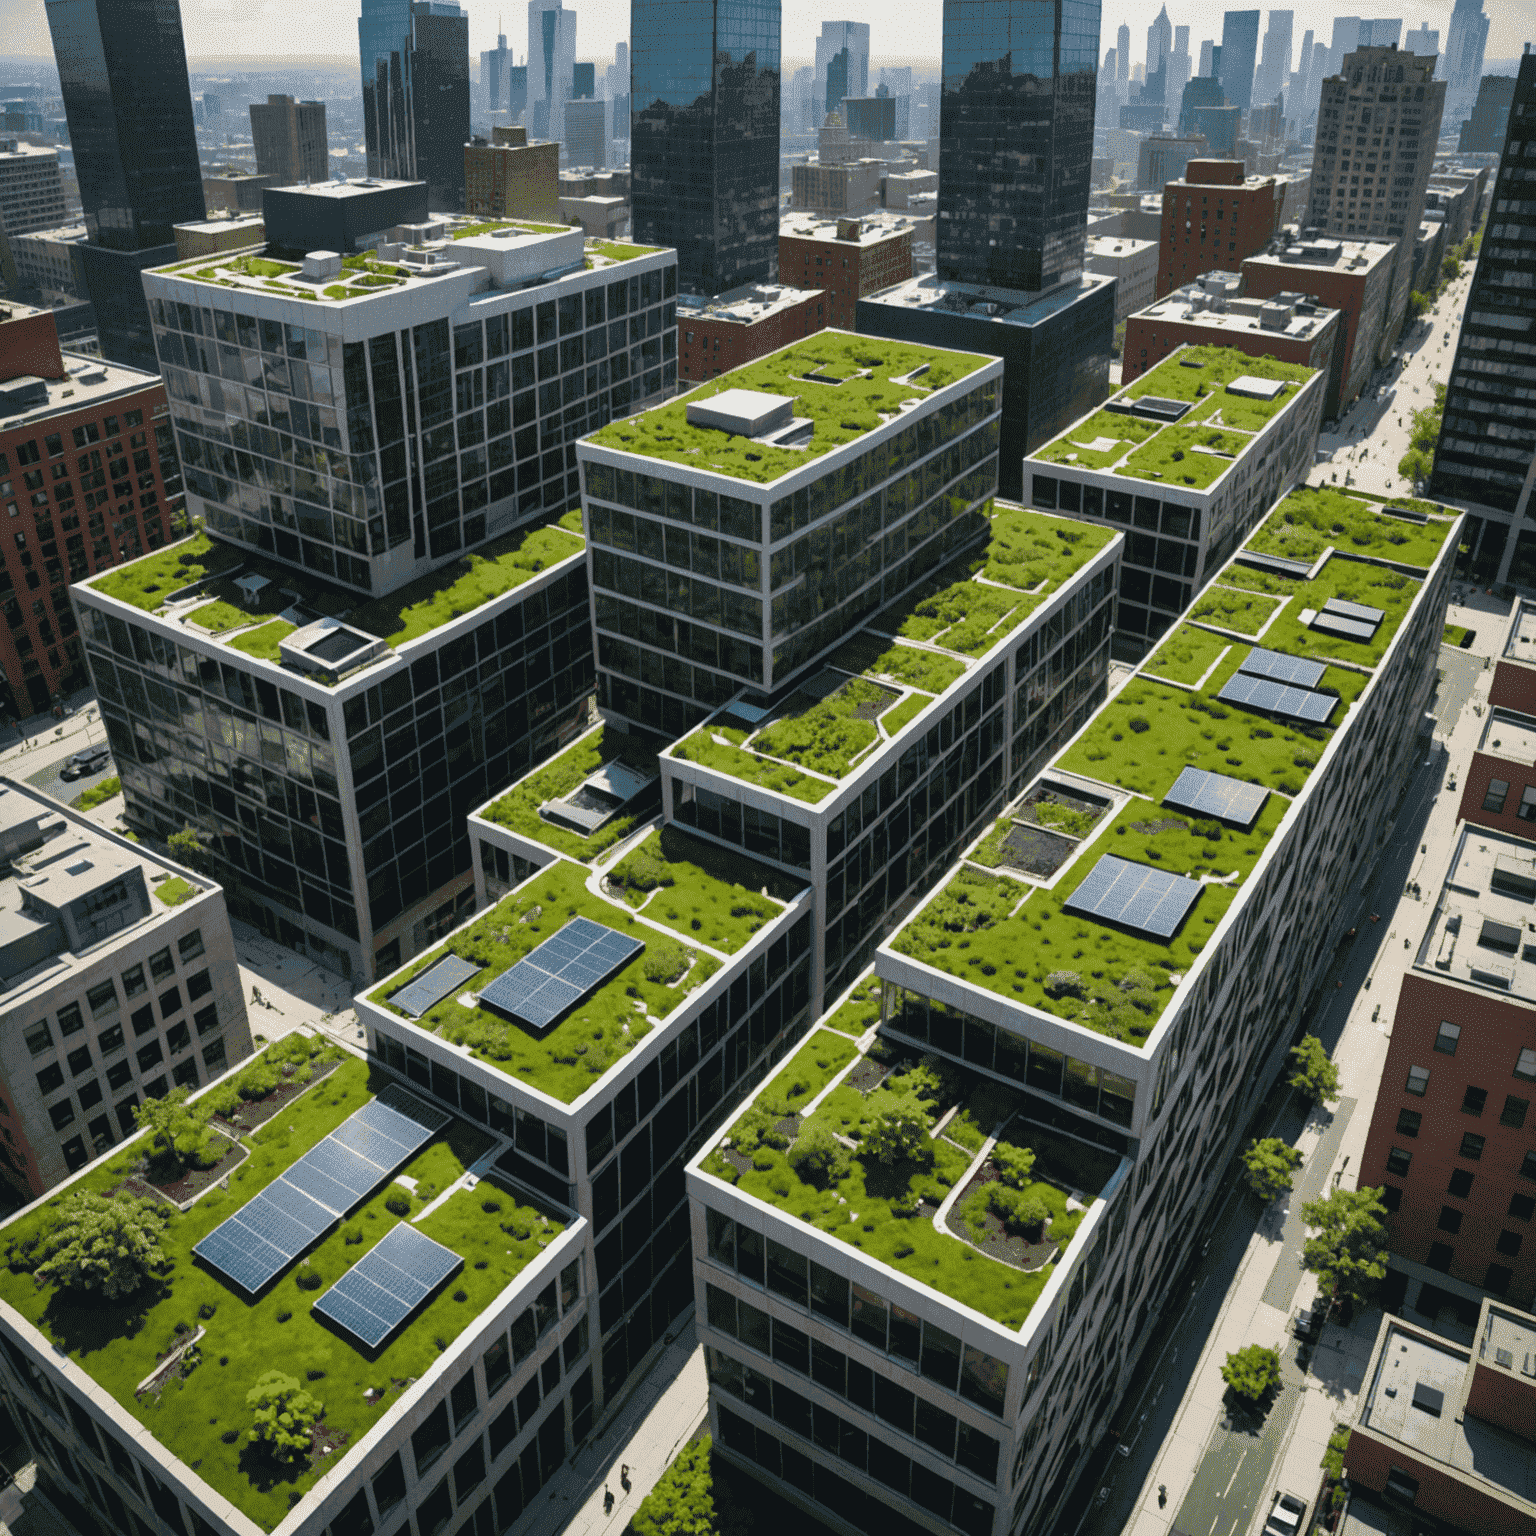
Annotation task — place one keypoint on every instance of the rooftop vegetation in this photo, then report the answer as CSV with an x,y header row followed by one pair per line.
x,y
360,274
218,616
844,403
859,1012
1016,940
149,581
619,250
1036,552
827,735
704,891
1185,655
1123,431
1196,456
519,807
1316,516
263,641
1226,608
872,656
174,891
1179,378
608,1022
1356,582
723,747
490,226
200,1416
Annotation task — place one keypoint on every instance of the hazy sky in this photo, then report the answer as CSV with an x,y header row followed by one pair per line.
x,y
914,31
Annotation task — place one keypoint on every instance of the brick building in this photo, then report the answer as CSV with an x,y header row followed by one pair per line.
x,y
1213,217
718,334
511,178
845,258
87,468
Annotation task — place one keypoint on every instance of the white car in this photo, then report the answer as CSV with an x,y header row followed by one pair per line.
x,y
1286,1516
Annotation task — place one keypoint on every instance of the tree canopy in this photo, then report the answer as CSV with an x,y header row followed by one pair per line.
x,y
104,1247
1268,1166
898,1133
682,1503
178,1131
1252,1372
284,1415
1348,1252
1315,1075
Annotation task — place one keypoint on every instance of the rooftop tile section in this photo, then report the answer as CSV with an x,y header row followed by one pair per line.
x,y
988,925
900,663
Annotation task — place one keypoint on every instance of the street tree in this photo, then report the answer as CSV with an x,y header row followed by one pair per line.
x,y
1348,1249
1315,1075
1268,1166
1253,1372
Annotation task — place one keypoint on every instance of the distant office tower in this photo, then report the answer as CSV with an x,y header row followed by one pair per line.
x,y
1488,433
583,81
871,117
704,124
1155,79
1206,50
1203,93
290,140
551,66
897,81
1346,38
795,101
123,75
1239,50
31,188
1123,61
1422,40
517,91
493,73
842,66
511,178
618,72
1463,63
1483,133
1178,70
415,60
1383,32
1368,193
586,133
1273,72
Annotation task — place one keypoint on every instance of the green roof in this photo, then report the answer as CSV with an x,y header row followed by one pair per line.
x,y
1203,444
993,927
861,383
902,660
201,1417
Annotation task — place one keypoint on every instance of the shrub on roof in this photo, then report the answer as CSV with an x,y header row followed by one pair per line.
x,y
105,1246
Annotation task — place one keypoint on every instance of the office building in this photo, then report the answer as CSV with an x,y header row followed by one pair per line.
x,y
1133,265
848,190
1424,40
1103,467
98,936
344,217
1383,32
31,189
237,191
511,178
1162,158
846,259
600,218
209,237
89,475
49,261
586,133
1465,46
123,76
583,80
1159,45
1123,60
870,117
1178,72
1214,218
1351,276
1273,72
290,140
1451,201
1202,93
1488,432
950,1379
1483,133
704,149
551,67
1239,51
517,92
493,72
842,66
415,59
715,335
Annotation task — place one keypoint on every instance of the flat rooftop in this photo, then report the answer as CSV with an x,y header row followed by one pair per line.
x,y
1267,317
749,304
88,382
1326,253
874,227
1483,931
845,385
904,660
1121,789
1509,734
194,585
1118,245
1217,428
1521,643
1002,306
118,1344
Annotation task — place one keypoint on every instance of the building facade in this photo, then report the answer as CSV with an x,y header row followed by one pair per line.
x,y
1214,218
290,141
1485,131
716,335
1162,157
1133,265
49,260
586,134
237,191
31,189
551,67
847,259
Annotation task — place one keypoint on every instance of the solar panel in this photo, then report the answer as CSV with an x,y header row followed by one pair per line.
x,y
387,1284
558,973
1348,629
1274,563
1135,896
428,989
1214,794
1277,698
1276,665
1361,611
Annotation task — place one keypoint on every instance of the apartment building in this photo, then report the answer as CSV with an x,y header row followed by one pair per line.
x,y
846,259
1133,265
118,982
31,188
1214,217
717,335
882,1350
289,140
49,261
1188,459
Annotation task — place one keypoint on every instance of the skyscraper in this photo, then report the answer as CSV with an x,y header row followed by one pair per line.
x,y
1383,32
1273,73
1178,70
1159,39
551,66
290,140
1462,67
1207,56
1239,49
704,154
842,66
1346,38
123,75
1422,41
415,58
493,72
1123,58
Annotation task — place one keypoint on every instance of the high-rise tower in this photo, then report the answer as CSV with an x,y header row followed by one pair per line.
x,y
551,66
1239,50
290,140
1273,73
1462,68
842,66
493,72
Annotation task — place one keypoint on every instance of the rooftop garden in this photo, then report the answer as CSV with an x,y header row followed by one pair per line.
x,y
619,250
1185,655
1229,608
198,1413
1192,373
1356,582
490,226
1036,552
519,807
605,1025
150,581
1316,516
855,389
1122,432
1017,940
264,641
707,893
723,747
360,275
866,1169
860,1010
871,655
1197,456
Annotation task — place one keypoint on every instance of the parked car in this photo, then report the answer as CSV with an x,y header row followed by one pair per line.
x,y
1286,1516
88,761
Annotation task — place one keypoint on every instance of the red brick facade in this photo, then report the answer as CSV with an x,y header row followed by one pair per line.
x,y
1149,339
1212,219
846,270
29,344
708,345
1456,1149
1493,793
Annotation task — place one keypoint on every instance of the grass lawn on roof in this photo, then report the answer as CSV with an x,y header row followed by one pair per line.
x,y
704,891
432,600
1176,379
1026,549
1315,516
1111,980
873,656
722,747
519,807
827,735
263,642
859,1012
174,891
117,1343
1246,612
842,412
1354,581
605,1025
1125,431
218,616
1176,456
147,583
1185,655
620,250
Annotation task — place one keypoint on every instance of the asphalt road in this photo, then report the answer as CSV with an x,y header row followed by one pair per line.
x,y
47,777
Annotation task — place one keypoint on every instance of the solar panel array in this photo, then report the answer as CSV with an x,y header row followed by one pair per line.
x,y
1135,895
387,1284
433,984
1214,794
1348,629
1280,668
1274,563
273,1228
1361,611
1278,698
558,973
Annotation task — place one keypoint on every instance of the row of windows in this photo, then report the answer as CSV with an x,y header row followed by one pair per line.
x,y
1400,1159
1143,512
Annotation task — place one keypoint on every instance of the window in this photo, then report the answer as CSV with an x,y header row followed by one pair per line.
x,y
1399,1484
1408,1122
214,1057
1472,1146
190,946
1450,1219
1474,1101
1391,1196
133,981
1497,1279
1528,1167
1527,809
161,965
1461,1183
50,1079
103,999
80,1061
150,1055
185,1076
1399,1161
71,1020
39,1039
465,1401
1418,1080
119,1075
1508,1244
1440,1256
62,1113
1526,1066
1522,1207
1515,1111
1446,1040
206,1019
1498,791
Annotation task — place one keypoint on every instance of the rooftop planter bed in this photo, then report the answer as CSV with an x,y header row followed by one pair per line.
x,y
1178,456
1036,552
719,746
264,641
1316,516
873,657
1185,655
147,583
826,735
1245,612
1072,446
1175,378
1355,582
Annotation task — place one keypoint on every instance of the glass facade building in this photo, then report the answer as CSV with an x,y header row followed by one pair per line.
x,y
704,155
1239,55
1016,140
